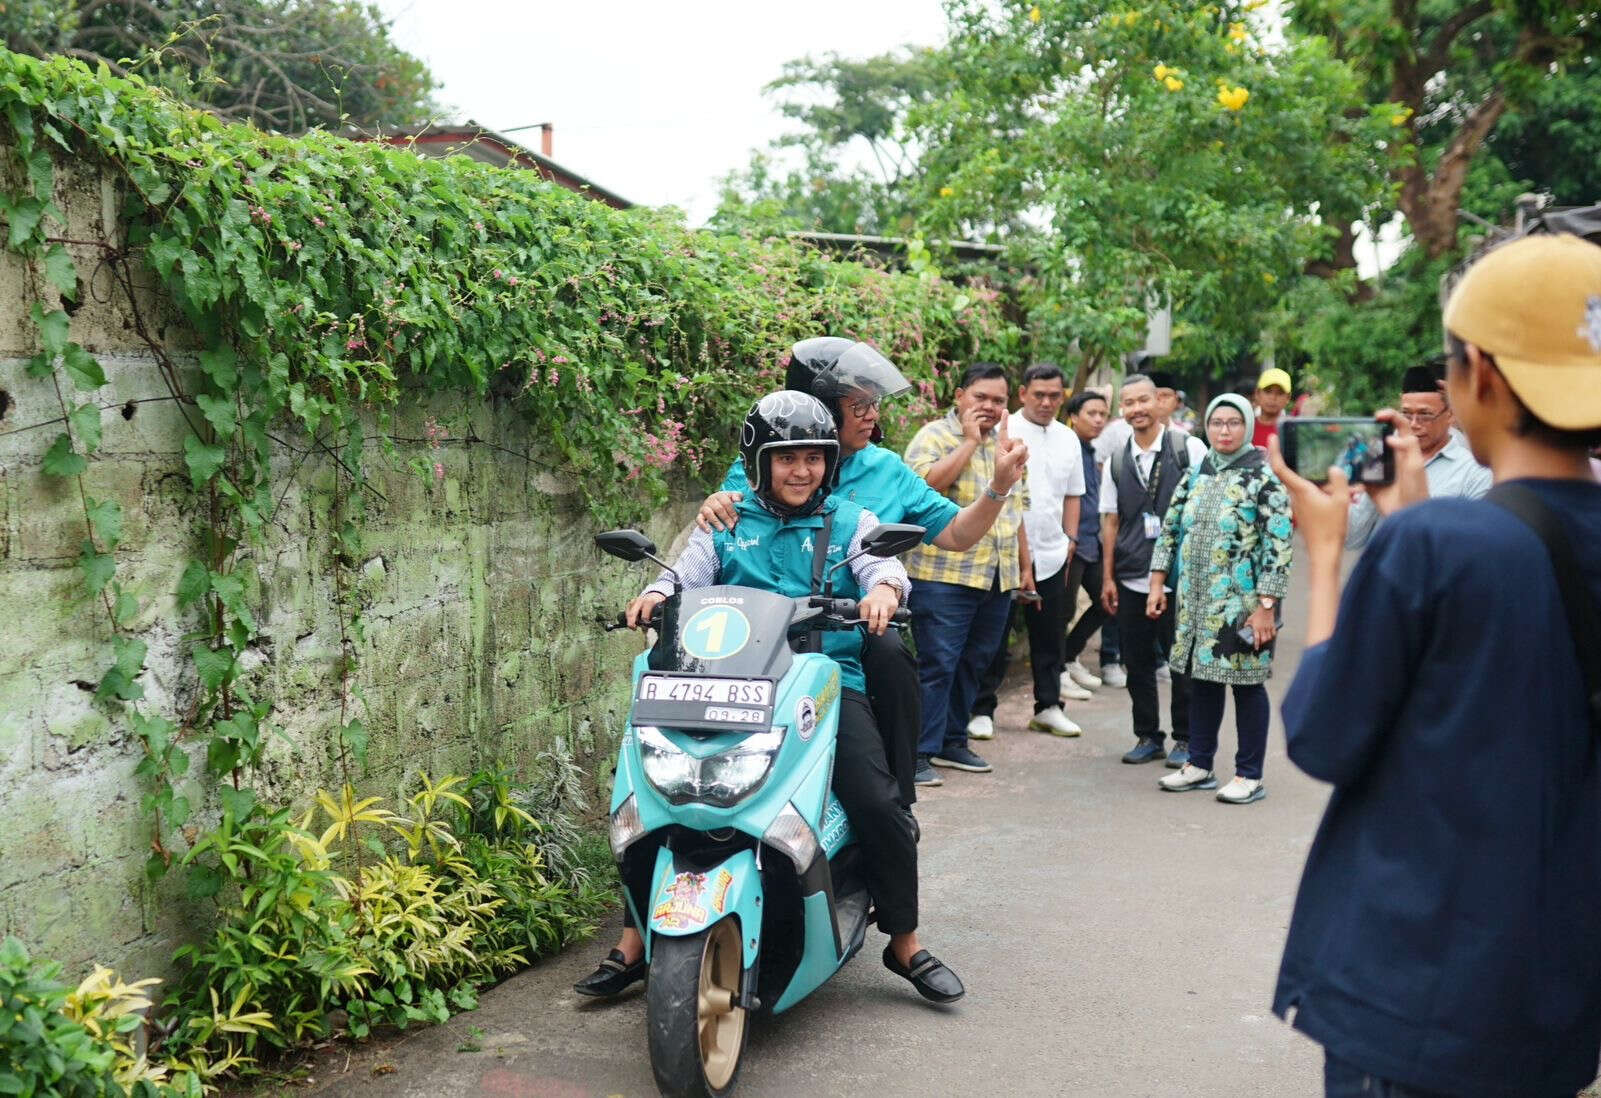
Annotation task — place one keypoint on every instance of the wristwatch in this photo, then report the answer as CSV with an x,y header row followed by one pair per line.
x,y
1268,602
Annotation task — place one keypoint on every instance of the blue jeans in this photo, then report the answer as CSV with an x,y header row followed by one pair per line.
x,y
957,630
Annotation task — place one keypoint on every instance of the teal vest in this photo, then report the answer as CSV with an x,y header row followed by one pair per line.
x,y
775,554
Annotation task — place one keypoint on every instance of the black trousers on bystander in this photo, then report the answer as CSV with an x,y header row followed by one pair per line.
x,y
1045,622
1139,635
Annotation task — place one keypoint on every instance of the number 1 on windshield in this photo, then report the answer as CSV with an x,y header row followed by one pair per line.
x,y
714,626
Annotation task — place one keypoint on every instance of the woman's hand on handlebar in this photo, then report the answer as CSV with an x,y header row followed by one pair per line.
x,y
642,609
877,607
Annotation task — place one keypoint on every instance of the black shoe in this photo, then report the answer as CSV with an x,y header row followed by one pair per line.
x,y
1177,757
925,775
962,758
933,980
1145,751
614,975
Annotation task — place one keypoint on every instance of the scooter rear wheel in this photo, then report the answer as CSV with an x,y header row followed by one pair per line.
x,y
696,1029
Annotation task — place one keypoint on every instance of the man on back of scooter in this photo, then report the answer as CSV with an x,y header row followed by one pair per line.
x,y
790,451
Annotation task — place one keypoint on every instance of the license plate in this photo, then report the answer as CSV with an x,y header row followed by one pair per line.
x,y
713,691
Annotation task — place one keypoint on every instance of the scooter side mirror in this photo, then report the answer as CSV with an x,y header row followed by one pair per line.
x,y
890,539
629,545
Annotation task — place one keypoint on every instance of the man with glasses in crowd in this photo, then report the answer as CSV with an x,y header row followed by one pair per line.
x,y
1449,465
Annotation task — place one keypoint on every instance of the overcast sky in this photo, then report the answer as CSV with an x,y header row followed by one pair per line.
x,y
652,99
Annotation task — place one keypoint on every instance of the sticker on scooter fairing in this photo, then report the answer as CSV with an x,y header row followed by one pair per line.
x,y
720,890
806,718
715,632
833,826
682,908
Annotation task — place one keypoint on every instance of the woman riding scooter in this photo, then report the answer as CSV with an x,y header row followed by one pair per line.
x,y
790,452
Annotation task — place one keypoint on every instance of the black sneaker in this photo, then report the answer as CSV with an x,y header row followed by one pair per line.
x,y
924,775
962,758
1145,751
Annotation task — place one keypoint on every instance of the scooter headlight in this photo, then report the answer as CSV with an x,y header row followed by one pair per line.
x,y
674,773
722,779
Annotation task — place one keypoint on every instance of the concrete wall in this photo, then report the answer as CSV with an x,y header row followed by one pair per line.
x,y
480,593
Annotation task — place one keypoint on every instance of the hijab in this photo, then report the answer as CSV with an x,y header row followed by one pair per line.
x,y
1217,458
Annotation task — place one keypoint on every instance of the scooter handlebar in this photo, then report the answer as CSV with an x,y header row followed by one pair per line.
x,y
847,613
654,621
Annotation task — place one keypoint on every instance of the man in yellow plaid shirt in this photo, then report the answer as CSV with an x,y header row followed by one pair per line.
x,y
960,601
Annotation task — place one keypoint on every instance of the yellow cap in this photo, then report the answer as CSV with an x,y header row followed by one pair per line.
x,y
1535,306
1275,376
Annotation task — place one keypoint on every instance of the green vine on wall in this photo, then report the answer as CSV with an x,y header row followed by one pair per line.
x,y
327,279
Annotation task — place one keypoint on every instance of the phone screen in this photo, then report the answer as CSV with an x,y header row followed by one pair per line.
x,y
1312,446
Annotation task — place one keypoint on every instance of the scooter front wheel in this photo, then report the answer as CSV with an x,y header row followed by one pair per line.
x,y
697,1029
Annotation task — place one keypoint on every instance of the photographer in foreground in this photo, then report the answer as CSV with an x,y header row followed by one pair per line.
x,y
1445,937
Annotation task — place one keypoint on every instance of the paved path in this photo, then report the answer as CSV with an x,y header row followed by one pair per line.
x,y
1115,940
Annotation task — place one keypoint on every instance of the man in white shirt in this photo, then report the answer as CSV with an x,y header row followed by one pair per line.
x,y
1137,483
1055,487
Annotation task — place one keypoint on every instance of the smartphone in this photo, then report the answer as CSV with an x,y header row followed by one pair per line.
x,y
1313,445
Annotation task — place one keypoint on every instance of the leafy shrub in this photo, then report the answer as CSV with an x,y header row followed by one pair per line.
x,y
330,931
59,1041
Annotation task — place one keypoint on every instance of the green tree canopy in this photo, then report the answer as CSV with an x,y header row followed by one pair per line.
x,y
1147,149
856,164
285,65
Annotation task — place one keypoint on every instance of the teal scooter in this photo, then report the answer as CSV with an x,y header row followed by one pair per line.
x,y
737,861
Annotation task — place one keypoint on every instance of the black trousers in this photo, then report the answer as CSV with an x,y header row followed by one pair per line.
x,y
897,702
1085,575
1139,636
1045,623
883,826
871,798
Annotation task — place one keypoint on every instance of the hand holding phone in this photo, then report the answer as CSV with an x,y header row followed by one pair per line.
x,y
1359,448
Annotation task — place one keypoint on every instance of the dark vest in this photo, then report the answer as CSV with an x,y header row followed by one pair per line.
x,y
1134,500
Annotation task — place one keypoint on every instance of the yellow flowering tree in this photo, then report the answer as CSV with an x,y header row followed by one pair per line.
x,y
1165,147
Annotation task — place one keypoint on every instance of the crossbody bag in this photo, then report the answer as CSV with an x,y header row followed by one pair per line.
x,y
1584,620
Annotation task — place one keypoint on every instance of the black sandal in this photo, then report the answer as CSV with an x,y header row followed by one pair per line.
x,y
614,975
933,980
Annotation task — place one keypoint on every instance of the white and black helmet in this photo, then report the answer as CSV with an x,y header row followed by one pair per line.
x,y
788,420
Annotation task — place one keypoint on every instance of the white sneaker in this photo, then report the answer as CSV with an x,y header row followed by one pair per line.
x,y
1241,790
1082,675
1113,675
1054,721
981,728
1068,690
1163,673
1187,778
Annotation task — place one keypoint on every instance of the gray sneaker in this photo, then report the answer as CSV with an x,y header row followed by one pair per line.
x,y
1112,674
926,775
962,758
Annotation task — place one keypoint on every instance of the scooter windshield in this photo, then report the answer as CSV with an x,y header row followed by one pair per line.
x,y
736,631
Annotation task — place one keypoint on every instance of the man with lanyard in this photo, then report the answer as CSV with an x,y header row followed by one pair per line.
x,y
852,379
1136,486
1448,463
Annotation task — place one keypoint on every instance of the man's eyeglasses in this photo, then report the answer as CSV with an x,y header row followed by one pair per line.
x,y
860,408
1423,417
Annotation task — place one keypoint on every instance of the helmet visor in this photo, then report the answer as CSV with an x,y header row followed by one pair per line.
x,y
863,368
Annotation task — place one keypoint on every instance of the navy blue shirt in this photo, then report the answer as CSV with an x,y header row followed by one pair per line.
x,y
1087,546
1447,933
